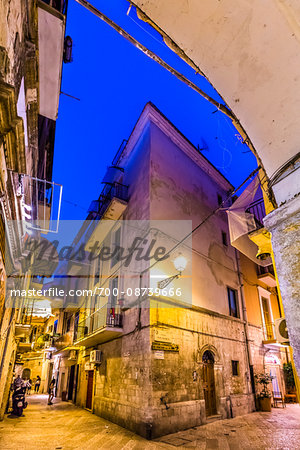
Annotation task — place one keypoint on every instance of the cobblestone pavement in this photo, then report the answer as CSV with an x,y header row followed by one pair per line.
x,y
64,426
279,429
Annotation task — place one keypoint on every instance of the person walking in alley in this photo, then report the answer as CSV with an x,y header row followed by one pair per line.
x,y
28,386
37,384
18,382
51,392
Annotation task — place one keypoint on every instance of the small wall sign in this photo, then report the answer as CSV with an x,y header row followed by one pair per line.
x,y
159,354
166,346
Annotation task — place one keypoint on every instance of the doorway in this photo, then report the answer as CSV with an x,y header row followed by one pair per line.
x,y
76,383
26,374
89,390
209,383
49,379
71,382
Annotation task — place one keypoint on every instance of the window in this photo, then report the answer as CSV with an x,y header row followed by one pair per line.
x,y
55,326
98,270
233,303
76,321
266,313
224,238
116,245
235,368
220,200
267,318
68,325
113,285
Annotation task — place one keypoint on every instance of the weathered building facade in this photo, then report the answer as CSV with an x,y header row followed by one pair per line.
x,y
164,366
31,42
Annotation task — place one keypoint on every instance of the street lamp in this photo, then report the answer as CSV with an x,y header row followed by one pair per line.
x,y
180,263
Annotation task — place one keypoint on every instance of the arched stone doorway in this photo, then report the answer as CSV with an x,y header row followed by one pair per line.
x,y
209,386
26,374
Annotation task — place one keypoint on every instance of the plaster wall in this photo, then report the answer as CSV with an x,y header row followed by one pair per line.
x,y
181,190
251,283
249,51
165,183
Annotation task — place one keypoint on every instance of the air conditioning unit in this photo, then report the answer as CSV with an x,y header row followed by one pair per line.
x,y
281,331
96,356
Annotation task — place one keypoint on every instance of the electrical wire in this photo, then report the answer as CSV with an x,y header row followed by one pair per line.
x,y
220,107
155,57
189,234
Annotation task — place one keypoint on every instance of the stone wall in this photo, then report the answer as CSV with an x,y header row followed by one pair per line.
x,y
179,376
122,391
284,225
158,396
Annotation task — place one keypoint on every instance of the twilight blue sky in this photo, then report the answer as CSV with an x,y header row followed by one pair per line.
x,y
114,81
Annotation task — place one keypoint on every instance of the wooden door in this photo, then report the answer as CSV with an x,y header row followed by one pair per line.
x,y
89,391
71,382
76,383
209,388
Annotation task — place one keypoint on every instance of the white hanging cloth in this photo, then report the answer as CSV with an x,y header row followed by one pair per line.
x,y
241,223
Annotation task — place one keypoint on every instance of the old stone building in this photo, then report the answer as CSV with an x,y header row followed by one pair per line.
x,y
31,52
165,362
221,41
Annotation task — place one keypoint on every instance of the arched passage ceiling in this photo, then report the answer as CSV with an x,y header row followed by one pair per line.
x,y
250,51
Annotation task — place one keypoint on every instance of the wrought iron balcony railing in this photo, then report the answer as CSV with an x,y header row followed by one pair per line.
x,y
110,191
59,5
63,340
269,331
102,318
257,208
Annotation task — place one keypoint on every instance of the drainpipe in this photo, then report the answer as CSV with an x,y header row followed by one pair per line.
x,y
245,318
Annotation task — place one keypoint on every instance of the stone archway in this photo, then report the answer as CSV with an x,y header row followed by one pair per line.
x,y
210,348
208,380
26,374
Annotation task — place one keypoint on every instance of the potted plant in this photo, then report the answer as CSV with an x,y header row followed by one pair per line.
x,y
264,396
40,342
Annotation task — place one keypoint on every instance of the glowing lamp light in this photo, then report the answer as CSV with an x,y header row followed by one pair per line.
x,y
180,263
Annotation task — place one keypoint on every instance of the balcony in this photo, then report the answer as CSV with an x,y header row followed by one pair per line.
x,y
24,345
266,275
111,203
63,341
269,333
59,5
101,326
268,279
257,208
22,330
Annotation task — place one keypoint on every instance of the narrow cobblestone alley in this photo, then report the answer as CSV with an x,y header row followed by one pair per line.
x,y
64,426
